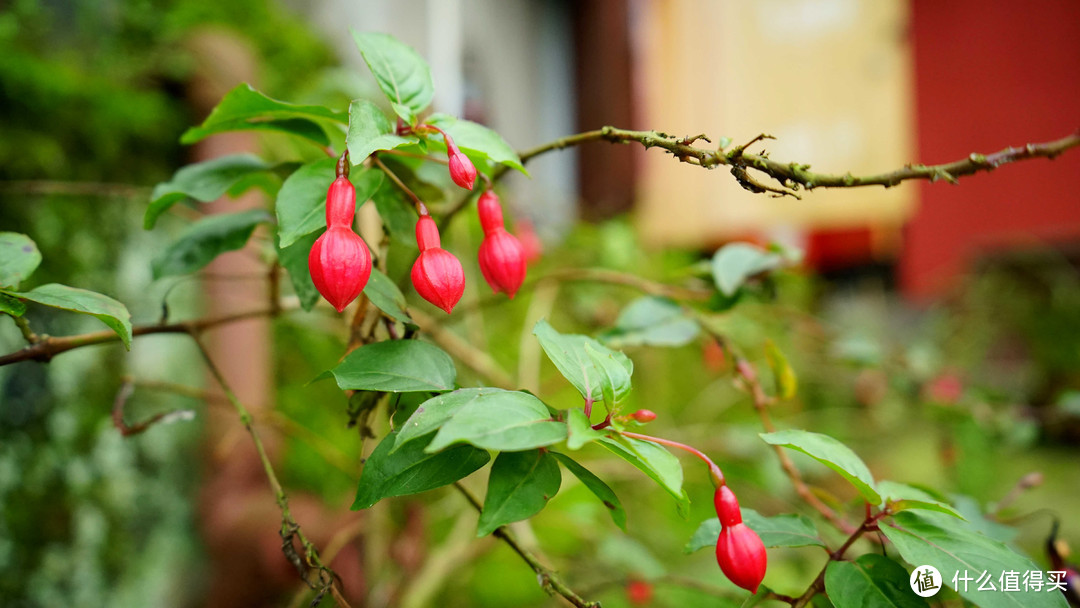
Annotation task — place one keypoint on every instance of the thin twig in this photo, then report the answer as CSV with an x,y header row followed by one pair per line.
x,y
122,396
60,188
549,579
480,361
420,207
816,587
327,579
793,176
48,347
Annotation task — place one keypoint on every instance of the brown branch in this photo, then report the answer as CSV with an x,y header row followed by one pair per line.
x,y
549,579
816,587
59,188
327,580
793,176
48,347
122,396
480,361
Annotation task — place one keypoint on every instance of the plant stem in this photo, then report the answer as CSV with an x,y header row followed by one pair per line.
x,y
819,583
714,471
289,527
24,327
795,176
421,209
549,579
47,348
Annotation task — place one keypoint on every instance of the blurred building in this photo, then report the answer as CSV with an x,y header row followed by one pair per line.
x,y
864,86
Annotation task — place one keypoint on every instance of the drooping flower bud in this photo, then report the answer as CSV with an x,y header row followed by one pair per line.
x,y
644,416
437,275
462,170
739,550
501,257
340,203
340,265
742,556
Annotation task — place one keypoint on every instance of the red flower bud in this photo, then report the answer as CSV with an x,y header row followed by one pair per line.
x,y
437,275
530,243
501,258
462,170
727,506
340,265
644,416
742,556
639,593
340,203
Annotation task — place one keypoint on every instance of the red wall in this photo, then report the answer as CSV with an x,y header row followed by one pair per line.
x,y
992,73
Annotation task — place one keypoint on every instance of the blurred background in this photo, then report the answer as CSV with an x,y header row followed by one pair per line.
x,y
934,328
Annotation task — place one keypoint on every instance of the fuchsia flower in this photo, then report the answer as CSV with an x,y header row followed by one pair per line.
x,y
437,275
501,258
339,261
462,170
739,550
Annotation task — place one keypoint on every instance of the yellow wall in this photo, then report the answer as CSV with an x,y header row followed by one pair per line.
x,y
831,79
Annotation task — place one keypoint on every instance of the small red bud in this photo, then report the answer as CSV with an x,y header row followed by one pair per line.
x,y
340,203
639,593
530,242
340,264
462,170
437,275
644,416
742,556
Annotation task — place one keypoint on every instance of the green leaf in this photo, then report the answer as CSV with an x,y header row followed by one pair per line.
x,y
651,321
107,310
19,258
503,421
389,473
385,295
301,202
11,305
567,352
901,497
369,130
396,213
787,384
206,181
397,366
520,486
474,137
400,71
597,486
957,551
433,413
653,460
831,453
734,263
787,530
871,580
245,109
294,259
206,239
579,430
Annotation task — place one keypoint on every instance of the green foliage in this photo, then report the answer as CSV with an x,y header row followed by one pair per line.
x,y
653,460
832,454
411,470
601,490
19,258
370,131
735,263
870,580
401,72
603,372
206,239
399,366
205,182
245,109
521,484
652,321
107,310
